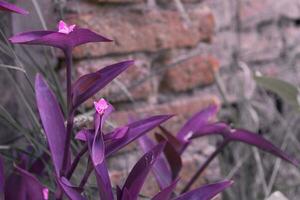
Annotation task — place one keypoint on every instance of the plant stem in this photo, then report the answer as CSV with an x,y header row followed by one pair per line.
x,y
76,161
203,167
86,175
70,116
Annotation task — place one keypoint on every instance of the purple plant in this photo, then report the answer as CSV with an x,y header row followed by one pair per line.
x,y
198,126
12,8
163,158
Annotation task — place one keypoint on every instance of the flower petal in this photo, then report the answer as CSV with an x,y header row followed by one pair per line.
x,y
206,192
52,120
140,171
89,84
136,129
12,8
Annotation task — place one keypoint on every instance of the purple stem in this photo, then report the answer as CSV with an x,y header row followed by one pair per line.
x,y
76,161
86,175
70,117
203,167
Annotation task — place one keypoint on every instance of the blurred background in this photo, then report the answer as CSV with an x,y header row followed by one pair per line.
x,y
189,54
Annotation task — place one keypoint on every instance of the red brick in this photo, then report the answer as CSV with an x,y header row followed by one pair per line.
x,y
148,31
139,71
194,72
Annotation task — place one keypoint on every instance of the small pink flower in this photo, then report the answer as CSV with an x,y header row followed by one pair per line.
x,y
64,28
46,193
101,106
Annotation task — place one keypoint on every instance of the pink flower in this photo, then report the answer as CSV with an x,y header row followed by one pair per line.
x,y
64,28
46,193
101,106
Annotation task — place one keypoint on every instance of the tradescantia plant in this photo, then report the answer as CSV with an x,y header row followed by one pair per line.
x,y
162,158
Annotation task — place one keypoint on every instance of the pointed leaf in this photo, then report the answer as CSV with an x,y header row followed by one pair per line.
x,y
140,171
98,147
173,157
245,137
166,193
161,169
206,192
56,39
196,122
12,8
136,129
70,190
52,120
81,135
118,133
102,176
88,85
23,186
260,142
177,144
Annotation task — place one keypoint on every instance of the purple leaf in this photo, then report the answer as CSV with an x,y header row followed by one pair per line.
x,y
140,171
196,122
118,192
12,8
258,141
98,149
63,41
245,137
39,164
118,133
98,142
70,190
52,120
177,144
161,169
166,193
172,156
102,176
136,129
81,135
206,192
23,186
88,85
126,195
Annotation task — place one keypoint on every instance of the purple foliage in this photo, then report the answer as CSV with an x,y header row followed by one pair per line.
x,y
162,158
12,8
